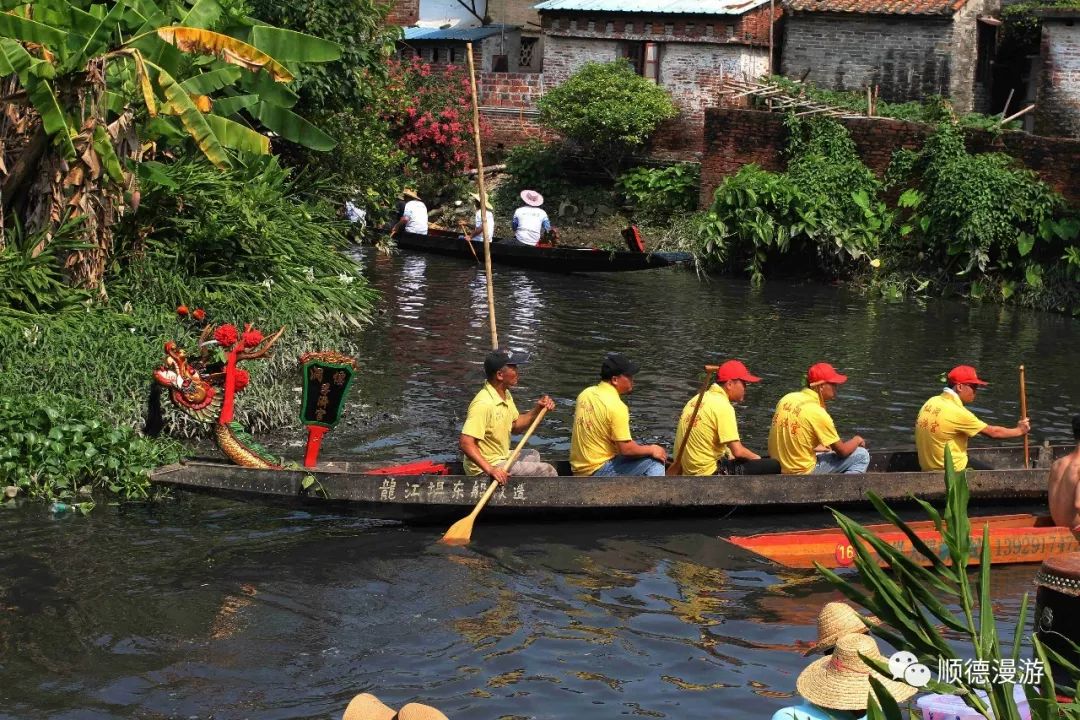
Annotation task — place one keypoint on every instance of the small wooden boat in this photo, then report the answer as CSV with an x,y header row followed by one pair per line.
x,y
1013,539
561,259
437,498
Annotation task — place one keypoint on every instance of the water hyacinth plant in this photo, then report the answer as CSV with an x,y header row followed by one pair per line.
x,y
913,602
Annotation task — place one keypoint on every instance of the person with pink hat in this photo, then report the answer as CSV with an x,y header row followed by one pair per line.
x,y
944,421
803,436
530,222
715,433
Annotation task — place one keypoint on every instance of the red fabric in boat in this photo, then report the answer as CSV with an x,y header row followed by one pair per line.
x,y
420,467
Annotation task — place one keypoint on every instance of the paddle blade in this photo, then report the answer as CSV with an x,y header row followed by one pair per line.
x,y
460,532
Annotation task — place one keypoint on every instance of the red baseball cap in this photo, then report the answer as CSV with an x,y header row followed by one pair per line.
x,y
735,370
964,374
823,373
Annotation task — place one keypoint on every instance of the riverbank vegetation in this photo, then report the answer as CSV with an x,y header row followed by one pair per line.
x,y
139,178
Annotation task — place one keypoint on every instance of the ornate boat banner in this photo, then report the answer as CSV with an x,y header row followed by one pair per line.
x,y
326,377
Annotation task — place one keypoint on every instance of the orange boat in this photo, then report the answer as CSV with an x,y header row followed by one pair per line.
x,y
1013,539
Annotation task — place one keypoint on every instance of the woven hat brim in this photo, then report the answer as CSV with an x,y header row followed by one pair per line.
x,y
840,690
830,641
368,707
417,711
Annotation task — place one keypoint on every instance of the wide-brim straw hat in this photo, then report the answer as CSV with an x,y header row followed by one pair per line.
x,y
368,707
835,620
410,193
841,681
476,199
531,197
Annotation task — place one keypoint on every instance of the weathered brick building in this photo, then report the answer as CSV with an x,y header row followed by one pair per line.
x,y
404,12
907,48
686,46
1057,105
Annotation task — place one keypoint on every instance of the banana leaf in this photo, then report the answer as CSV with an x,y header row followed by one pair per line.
x,y
53,120
269,91
104,148
238,137
19,28
291,45
292,127
99,38
149,98
212,81
194,121
227,106
202,14
228,49
61,14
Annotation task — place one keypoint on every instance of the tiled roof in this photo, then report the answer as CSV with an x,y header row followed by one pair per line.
x,y
661,7
469,34
877,7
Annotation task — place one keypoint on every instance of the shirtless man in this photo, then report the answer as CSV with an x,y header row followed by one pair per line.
x,y
1064,487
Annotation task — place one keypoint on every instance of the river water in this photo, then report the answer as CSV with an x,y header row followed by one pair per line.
x,y
200,608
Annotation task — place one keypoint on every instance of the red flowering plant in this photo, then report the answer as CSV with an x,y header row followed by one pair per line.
x,y
430,116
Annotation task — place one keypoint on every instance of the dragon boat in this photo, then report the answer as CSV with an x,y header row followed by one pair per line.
x,y
436,492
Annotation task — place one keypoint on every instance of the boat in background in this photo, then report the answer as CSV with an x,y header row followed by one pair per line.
x,y
560,259
441,492
1013,539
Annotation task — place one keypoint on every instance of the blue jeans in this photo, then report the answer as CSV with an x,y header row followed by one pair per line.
x,y
830,462
621,466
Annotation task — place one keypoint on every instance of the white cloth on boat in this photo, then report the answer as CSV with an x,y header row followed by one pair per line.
x,y
415,215
529,223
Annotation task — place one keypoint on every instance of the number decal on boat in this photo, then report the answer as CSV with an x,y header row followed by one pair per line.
x,y
845,554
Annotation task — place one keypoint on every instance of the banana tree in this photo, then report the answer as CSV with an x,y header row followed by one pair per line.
x,y
91,88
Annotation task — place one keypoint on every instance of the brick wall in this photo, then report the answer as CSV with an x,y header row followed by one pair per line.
x,y
749,28
404,13
734,138
909,57
1057,108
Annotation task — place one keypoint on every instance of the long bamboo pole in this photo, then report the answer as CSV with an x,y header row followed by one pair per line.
x,y
1023,414
483,197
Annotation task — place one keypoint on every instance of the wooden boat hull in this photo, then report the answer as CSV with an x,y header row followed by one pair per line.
x,y
1013,539
436,498
557,259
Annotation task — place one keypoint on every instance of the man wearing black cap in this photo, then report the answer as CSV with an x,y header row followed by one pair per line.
x,y
601,443
492,417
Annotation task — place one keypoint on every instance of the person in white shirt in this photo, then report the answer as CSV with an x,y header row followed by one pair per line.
x,y
414,218
530,221
489,220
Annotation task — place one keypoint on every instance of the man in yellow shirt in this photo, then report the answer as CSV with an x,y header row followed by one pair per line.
x,y
492,417
802,433
715,434
943,420
600,443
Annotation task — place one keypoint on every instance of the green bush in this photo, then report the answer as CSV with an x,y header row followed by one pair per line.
x,y
32,277
365,167
243,239
608,110
662,192
54,445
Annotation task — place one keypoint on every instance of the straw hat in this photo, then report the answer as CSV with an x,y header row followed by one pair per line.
x,y
410,193
368,707
531,197
842,680
476,199
835,620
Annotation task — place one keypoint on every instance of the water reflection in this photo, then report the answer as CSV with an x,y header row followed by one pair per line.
x,y
672,322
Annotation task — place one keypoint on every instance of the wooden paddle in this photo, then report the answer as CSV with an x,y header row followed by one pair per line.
x,y
461,531
676,467
1023,414
468,240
